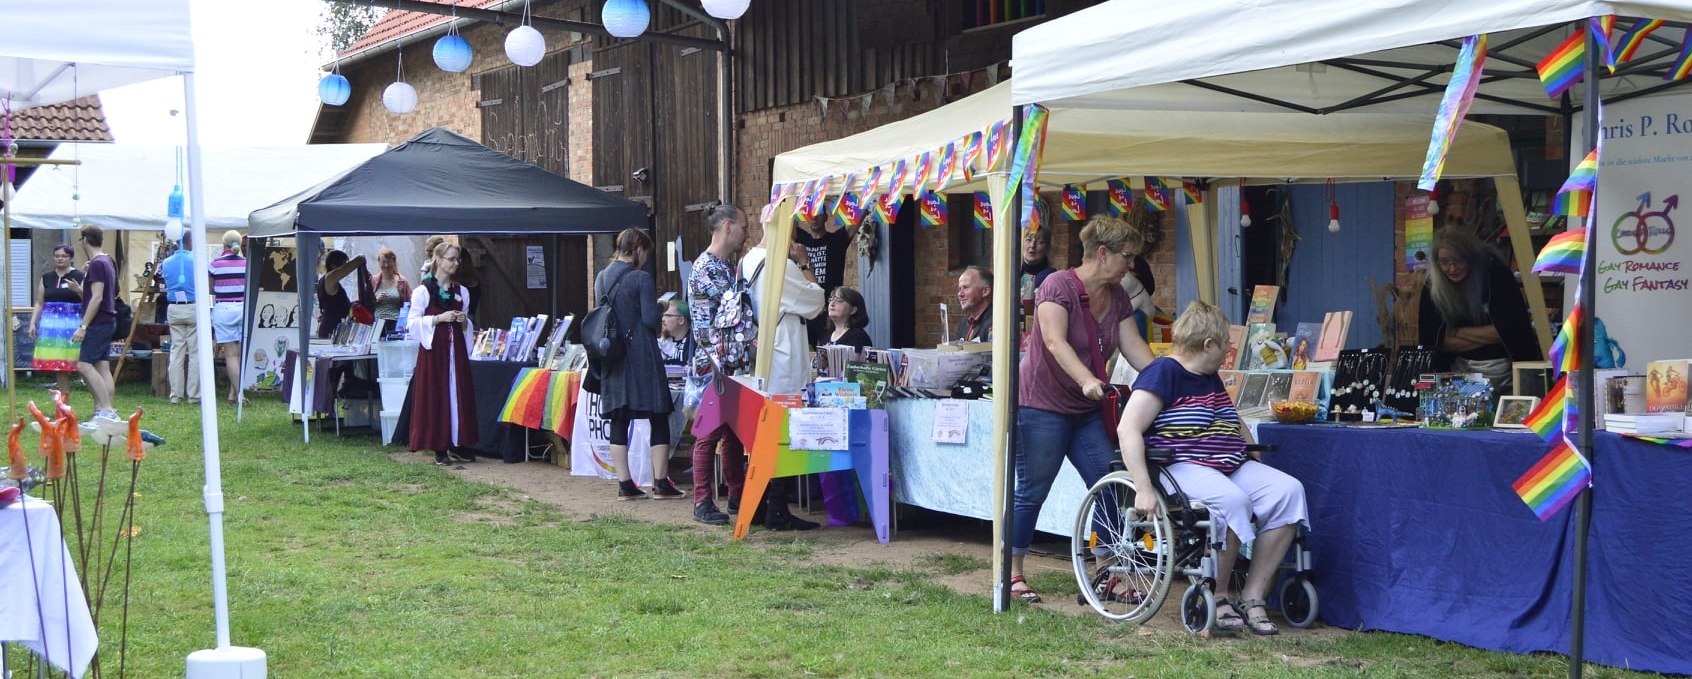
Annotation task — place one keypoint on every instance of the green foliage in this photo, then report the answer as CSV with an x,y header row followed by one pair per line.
x,y
343,22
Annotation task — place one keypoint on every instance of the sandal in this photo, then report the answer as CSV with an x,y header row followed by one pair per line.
x,y
1228,620
1259,623
1027,594
1105,589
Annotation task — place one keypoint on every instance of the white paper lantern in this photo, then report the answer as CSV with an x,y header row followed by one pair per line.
x,y
525,46
173,229
726,9
453,53
334,89
625,18
400,98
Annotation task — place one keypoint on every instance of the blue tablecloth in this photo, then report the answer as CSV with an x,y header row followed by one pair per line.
x,y
1418,531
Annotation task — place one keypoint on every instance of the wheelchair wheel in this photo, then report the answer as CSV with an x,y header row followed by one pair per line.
x,y
1298,601
1123,562
1198,608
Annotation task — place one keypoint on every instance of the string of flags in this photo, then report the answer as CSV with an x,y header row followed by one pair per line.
x,y
1564,66
938,86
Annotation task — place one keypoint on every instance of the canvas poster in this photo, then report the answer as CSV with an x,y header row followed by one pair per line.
x,y
1418,233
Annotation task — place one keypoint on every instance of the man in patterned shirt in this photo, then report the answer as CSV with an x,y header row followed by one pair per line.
x,y
723,336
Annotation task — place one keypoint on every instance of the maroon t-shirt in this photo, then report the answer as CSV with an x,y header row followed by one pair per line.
x,y
101,270
1042,383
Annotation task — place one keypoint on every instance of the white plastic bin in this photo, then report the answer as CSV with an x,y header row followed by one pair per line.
x,y
396,359
393,392
390,419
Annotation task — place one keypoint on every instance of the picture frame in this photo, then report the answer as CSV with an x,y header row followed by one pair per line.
x,y
1531,378
1512,410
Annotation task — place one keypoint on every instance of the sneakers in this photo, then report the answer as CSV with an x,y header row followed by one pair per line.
x,y
107,414
441,459
176,400
627,490
663,489
706,513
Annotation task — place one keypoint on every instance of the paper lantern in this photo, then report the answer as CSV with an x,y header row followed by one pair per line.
x,y
400,98
334,89
625,18
726,9
525,46
173,229
453,53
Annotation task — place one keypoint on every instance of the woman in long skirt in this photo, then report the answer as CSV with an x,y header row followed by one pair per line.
x,y
58,311
443,401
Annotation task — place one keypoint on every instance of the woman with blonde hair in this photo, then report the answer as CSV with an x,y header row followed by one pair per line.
x,y
443,413
229,308
392,291
1082,315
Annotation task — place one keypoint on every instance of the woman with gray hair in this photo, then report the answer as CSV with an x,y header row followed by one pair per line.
x,y
1472,312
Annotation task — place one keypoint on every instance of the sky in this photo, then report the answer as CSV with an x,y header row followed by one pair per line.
x,y
257,71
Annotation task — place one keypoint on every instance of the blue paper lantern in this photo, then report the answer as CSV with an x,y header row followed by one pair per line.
x,y
334,89
453,53
625,18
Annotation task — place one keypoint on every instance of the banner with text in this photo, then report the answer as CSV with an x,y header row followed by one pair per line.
x,y
590,444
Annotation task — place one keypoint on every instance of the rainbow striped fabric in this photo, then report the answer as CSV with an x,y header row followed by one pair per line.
x,y
1561,69
1546,420
1121,196
1575,198
983,211
1634,38
1682,65
887,207
1453,106
998,139
1191,193
1563,254
948,165
1157,196
971,153
1075,202
924,170
849,210
901,171
1565,348
1557,479
1602,28
526,406
933,209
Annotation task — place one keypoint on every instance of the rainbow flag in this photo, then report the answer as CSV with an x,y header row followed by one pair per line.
x,y
1563,254
1162,317
1191,193
1453,106
901,170
810,199
1561,69
1554,481
1121,196
1602,28
997,140
924,170
948,165
933,209
1682,443
1546,420
849,210
1633,39
1575,198
1565,354
887,207
1682,65
526,404
971,153
983,211
1157,197
872,187
1075,202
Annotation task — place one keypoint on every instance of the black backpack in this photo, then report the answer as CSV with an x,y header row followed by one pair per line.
x,y
125,319
601,338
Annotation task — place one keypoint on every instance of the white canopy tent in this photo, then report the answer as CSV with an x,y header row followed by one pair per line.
x,y
61,50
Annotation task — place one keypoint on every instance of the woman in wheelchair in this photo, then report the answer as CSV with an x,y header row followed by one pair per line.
x,y
1178,405
1082,316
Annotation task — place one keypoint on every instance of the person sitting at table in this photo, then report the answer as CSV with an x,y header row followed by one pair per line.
x,y
675,334
443,400
1079,314
975,299
634,387
847,319
1179,404
1472,312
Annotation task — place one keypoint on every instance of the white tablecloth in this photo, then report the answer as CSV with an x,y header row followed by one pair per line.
x,y
40,596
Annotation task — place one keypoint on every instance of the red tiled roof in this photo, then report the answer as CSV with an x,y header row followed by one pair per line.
x,y
77,120
400,23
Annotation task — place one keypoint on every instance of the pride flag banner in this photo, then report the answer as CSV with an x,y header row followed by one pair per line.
x,y
1561,69
901,171
1121,196
1565,356
1074,203
849,210
1682,65
887,207
1575,198
983,210
924,170
1558,478
971,154
1546,420
998,138
933,209
1453,106
948,165
1563,254
1633,39
1157,197
1602,28
1191,193
526,406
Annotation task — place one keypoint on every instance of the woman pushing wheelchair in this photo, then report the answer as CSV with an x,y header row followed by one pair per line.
x,y
1178,404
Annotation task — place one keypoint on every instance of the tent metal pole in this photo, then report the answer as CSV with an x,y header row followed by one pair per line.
x,y
1584,397
11,336
1007,318
306,247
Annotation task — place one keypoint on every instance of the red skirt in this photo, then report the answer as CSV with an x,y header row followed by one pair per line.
x,y
441,391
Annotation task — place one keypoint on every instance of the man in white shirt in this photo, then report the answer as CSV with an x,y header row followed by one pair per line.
x,y
801,300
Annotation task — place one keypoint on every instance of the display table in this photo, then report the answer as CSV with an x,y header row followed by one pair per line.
x,y
959,479
1419,531
492,381
45,607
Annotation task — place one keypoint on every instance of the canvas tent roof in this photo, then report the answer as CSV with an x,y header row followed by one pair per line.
x,y
125,187
439,181
111,42
1090,145
1116,55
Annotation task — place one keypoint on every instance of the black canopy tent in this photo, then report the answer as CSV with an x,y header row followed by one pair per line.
x,y
435,182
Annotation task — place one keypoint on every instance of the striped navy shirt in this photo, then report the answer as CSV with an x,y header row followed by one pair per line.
x,y
1198,421
229,277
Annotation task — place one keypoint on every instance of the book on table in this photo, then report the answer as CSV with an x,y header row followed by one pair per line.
x,y
1646,423
1263,298
1665,386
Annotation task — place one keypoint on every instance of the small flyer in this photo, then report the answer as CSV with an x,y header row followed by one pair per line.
x,y
951,421
817,429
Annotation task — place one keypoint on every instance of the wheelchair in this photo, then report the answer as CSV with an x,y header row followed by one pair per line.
x,y
1125,563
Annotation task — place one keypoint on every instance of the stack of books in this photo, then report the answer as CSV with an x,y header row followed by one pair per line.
x,y
1652,423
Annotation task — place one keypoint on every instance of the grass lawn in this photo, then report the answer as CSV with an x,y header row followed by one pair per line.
x,y
345,563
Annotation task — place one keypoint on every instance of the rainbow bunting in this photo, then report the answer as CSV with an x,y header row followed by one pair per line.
x,y
948,165
1554,481
1453,106
1546,420
1025,163
1602,28
811,199
872,187
1561,69
849,210
1191,193
845,188
1682,65
933,209
1121,196
983,210
1565,354
1563,254
1074,204
1157,197
924,170
887,207
997,139
971,153
901,170
1575,198
1633,39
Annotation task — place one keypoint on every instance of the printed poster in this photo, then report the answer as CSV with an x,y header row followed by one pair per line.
x,y
537,267
951,421
590,443
1418,233
817,429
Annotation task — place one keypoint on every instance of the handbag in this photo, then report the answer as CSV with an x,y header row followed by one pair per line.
x,y
601,338
1115,395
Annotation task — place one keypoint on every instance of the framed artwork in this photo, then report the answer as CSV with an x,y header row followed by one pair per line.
x,y
1512,410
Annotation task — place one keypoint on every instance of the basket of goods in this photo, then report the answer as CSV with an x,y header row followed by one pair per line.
x,y
1293,412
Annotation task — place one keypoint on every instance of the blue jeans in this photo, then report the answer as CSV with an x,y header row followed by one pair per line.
x,y
1043,440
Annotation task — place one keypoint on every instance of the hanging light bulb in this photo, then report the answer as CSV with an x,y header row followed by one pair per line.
x,y
726,9
334,89
1245,210
625,18
1333,218
1433,201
